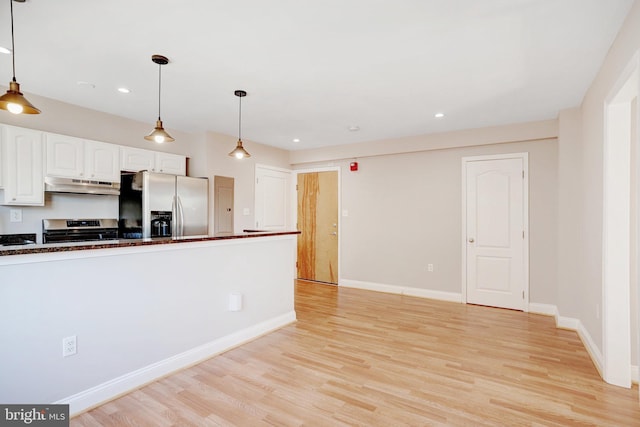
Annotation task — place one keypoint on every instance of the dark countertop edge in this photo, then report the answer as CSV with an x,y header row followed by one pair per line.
x,y
124,243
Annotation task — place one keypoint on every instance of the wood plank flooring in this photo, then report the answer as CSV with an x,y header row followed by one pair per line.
x,y
364,358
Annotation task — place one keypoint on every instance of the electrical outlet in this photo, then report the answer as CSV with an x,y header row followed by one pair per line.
x,y
430,268
15,215
69,346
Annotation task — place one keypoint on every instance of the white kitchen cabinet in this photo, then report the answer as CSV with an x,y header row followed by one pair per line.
x,y
71,157
102,161
22,155
136,159
170,163
64,156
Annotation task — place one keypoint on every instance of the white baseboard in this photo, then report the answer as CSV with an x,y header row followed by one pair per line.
x,y
574,325
402,290
111,389
546,309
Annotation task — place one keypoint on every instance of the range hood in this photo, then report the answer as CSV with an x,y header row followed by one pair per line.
x,y
54,184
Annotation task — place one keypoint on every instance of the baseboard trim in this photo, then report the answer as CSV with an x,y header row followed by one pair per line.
x,y
574,325
402,290
119,386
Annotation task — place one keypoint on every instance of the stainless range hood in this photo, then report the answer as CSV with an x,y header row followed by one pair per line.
x,y
54,184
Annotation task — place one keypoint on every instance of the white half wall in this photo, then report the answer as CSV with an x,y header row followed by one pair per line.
x,y
137,313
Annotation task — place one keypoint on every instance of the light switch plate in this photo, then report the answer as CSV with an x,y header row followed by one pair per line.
x,y
15,215
246,211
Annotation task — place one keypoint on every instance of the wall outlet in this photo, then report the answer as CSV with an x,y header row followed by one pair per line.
x,y
69,346
15,215
430,268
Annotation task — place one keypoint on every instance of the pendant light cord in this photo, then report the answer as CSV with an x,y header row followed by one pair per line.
x,y
159,87
240,120
13,47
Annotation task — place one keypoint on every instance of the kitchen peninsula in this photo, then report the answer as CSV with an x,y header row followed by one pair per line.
x,y
137,309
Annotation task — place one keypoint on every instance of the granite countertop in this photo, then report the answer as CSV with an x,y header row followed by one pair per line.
x,y
79,246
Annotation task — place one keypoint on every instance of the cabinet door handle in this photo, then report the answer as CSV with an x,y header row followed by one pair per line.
x,y
471,240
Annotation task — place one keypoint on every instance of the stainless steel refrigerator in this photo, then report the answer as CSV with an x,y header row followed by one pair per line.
x,y
163,205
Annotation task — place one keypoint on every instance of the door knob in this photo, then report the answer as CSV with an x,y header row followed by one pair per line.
x,y
471,240
335,233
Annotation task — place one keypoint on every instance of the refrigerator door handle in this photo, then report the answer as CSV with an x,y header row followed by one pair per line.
x,y
174,217
181,218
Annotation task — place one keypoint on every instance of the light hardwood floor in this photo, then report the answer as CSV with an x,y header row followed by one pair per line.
x,y
364,358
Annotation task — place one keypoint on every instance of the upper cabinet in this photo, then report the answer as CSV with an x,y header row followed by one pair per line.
x,y
136,159
77,158
22,166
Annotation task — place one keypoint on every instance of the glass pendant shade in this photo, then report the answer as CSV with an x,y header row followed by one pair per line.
x,y
14,101
159,135
239,152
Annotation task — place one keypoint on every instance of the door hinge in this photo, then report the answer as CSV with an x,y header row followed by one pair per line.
x,y
522,174
522,294
296,264
257,224
296,187
523,234
257,180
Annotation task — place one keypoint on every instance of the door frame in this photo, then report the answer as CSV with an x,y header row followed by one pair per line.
x,y
525,220
295,210
616,224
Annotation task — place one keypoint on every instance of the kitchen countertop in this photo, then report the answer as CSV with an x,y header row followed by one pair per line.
x,y
79,246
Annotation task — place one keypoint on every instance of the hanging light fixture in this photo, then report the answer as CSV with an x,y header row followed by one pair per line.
x,y
239,152
158,134
13,100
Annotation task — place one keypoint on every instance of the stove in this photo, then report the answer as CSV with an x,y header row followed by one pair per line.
x,y
78,230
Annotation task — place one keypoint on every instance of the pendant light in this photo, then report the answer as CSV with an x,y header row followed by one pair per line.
x,y
239,152
13,100
158,134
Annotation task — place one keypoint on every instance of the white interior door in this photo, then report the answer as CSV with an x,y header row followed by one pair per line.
x,y
273,198
496,261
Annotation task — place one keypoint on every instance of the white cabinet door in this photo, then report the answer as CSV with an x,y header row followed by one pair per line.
x,y
136,159
102,161
170,163
65,156
23,156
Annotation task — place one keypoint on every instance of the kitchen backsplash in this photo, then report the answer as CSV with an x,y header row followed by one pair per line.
x,y
57,206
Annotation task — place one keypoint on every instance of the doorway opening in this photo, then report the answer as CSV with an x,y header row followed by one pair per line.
x,y
620,229
223,205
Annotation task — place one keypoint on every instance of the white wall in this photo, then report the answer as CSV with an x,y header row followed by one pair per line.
x,y
404,211
582,150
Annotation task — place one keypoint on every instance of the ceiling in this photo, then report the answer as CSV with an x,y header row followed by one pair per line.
x,y
313,69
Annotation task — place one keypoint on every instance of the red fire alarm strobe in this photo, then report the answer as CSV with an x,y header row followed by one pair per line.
x,y
353,166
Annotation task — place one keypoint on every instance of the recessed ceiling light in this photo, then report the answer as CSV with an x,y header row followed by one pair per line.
x,y
354,128
5,50
123,90
296,139
438,115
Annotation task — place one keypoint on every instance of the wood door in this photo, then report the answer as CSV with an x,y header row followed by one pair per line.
x,y
318,223
495,239
223,205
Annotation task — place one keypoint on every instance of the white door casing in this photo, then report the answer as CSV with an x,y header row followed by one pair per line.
x,y
495,231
